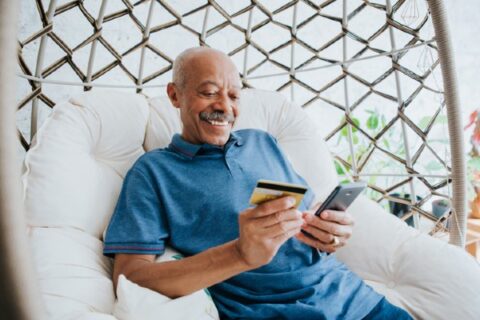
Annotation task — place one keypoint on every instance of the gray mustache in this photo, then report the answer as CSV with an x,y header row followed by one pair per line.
x,y
217,116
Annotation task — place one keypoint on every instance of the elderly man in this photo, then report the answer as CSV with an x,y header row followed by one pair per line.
x,y
194,194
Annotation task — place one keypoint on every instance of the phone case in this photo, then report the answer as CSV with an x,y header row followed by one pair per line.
x,y
342,196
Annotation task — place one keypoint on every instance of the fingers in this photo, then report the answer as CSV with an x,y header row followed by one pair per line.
x,y
318,244
289,227
287,235
328,232
272,206
265,228
341,217
279,216
318,234
318,227
274,224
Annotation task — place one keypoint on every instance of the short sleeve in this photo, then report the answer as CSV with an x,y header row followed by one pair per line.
x,y
138,224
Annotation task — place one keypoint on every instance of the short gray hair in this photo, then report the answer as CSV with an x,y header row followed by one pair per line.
x,y
179,70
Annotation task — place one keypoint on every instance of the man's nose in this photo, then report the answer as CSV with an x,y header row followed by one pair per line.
x,y
223,104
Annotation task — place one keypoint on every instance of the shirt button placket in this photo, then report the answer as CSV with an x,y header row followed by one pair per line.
x,y
230,162
225,158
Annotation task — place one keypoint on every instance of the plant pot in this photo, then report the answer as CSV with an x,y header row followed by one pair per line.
x,y
440,207
400,209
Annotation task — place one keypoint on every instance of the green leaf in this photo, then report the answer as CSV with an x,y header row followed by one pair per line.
x,y
372,122
339,169
441,119
344,131
386,144
384,120
357,123
423,124
355,139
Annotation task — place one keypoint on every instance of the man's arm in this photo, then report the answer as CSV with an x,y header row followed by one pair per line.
x,y
263,230
181,277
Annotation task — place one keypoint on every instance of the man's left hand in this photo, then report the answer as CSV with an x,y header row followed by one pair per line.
x,y
328,232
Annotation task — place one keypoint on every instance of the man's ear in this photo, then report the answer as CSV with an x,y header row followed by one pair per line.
x,y
172,91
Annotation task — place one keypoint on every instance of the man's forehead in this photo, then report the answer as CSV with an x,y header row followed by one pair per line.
x,y
217,84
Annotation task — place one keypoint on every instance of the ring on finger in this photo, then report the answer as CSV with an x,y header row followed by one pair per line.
x,y
335,242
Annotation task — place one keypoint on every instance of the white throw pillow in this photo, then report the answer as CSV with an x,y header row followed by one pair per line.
x,y
76,164
135,302
73,275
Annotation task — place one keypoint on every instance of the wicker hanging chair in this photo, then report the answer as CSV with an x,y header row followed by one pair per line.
x,y
269,41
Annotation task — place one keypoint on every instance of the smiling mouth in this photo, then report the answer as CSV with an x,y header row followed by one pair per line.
x,y
218,123
217,119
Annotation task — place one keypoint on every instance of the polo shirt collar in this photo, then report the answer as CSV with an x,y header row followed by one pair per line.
x,y
235,138
190,150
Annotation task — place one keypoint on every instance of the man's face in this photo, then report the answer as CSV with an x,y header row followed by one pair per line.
x,y
208,100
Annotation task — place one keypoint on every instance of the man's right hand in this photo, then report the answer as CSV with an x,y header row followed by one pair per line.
x,y
265,228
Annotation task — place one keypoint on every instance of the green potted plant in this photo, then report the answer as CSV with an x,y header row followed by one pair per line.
x,y
440,207
400,209
372,125
391,142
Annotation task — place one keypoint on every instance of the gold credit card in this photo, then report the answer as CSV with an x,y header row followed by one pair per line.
x,y
268,190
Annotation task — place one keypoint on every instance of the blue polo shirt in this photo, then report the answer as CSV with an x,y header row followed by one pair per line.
x,y
189,196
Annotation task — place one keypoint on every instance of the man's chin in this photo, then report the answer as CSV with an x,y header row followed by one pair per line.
x,y
217,136
217,140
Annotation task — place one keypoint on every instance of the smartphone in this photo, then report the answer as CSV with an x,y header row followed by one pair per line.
x,y
342,196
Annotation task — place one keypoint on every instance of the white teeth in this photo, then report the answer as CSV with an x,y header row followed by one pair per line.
x,y
218,123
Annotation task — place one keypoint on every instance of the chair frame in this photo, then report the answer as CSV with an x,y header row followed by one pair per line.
x,y
18,286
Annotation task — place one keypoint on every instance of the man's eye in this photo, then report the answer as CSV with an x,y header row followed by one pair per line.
x,y
209,94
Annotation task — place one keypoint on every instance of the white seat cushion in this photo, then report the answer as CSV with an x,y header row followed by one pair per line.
x,y
73,175
426,276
